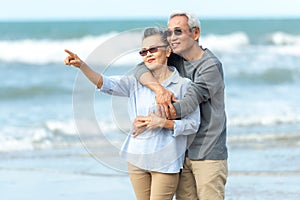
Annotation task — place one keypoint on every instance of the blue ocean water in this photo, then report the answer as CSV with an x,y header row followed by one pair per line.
x,y
261,60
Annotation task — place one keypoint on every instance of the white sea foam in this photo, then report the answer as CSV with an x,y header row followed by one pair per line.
x,y
265,137
230,42
281,38
56,133
20,139
43,51
34,51
53,133
36,137
292,118
65,127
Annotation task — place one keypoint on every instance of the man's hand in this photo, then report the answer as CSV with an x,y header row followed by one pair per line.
x,y
164,99
155,122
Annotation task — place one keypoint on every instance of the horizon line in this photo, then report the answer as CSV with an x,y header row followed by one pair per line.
x,y
138,18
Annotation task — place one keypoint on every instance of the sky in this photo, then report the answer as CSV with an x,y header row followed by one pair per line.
x,y
120,9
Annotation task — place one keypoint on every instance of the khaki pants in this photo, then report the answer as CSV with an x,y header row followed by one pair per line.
x,y
149,185
202,180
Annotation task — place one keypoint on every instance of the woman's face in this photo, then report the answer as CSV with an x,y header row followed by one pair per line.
x,y
155,52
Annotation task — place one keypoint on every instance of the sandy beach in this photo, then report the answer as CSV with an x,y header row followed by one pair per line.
x,y
74,174
60,174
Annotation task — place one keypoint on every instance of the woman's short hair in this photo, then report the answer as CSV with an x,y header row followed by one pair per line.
x,y
156,31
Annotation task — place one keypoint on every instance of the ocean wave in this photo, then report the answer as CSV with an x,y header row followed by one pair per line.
x,y
15,92
43,51
228,42
21,139
51,134
69,127
274,44
46,51
265,137
46,136
271,75
63,134
283,39
291,118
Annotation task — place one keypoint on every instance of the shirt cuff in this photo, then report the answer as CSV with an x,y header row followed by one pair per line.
x,y
177,129
106,85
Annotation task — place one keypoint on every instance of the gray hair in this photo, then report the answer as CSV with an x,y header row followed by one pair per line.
x,y
156,31
193,20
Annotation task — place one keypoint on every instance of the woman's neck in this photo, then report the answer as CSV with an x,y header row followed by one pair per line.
x,y
162,73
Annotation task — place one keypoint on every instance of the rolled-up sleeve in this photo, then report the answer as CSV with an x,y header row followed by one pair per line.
x,y
117,85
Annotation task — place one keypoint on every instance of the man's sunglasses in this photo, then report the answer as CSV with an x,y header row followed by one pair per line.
x,y
176,32
151,50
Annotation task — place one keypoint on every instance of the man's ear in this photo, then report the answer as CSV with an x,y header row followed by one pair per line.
x,y
196,33
168,51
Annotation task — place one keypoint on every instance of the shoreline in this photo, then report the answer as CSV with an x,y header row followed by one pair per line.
x,y
73,174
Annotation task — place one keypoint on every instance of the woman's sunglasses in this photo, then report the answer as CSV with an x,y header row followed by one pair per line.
x,y
151,50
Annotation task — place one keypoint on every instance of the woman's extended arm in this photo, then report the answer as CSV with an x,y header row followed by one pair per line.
x,y
113,85
93,76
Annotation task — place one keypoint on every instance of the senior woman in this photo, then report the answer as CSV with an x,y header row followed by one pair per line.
x,y
155,155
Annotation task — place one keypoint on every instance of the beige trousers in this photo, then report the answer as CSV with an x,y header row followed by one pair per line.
x,y
202,180
149,185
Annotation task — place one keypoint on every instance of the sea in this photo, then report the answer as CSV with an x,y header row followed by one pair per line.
x,y
46,107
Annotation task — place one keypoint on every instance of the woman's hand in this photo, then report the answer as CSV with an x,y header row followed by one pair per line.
x,y
73,59
139,125
149,122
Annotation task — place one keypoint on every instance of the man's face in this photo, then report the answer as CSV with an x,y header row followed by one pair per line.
x,y
180,37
